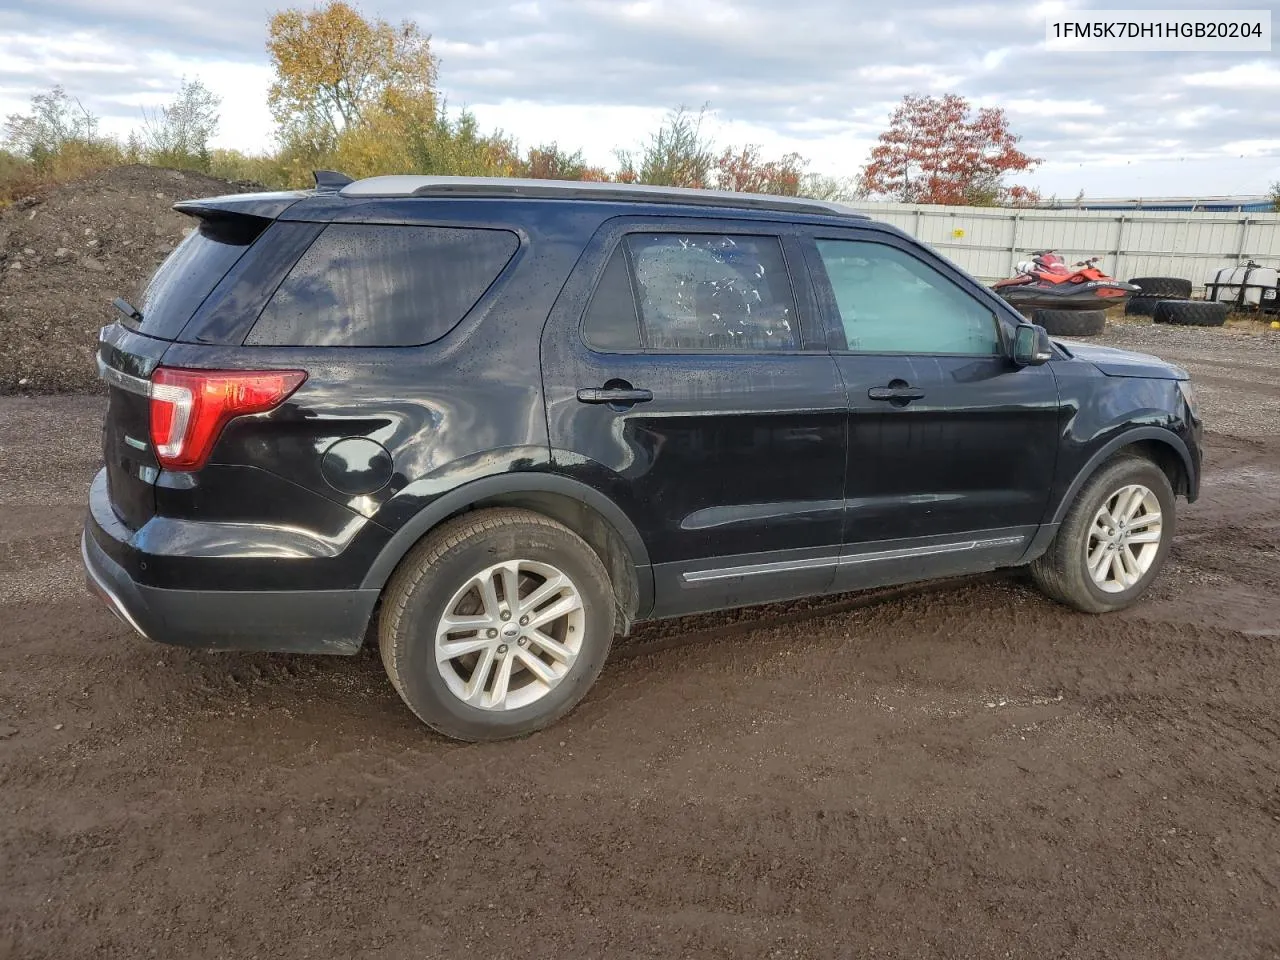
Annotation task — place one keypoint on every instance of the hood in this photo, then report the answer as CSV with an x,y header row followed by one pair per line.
x,y
1123,363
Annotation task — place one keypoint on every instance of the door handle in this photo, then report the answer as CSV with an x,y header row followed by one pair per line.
x,y
897,392
622,396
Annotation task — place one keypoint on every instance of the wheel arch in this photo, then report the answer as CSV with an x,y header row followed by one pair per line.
x,y
1163,447
581,508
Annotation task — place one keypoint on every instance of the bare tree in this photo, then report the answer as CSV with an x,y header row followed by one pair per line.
x,y
178,135
56,120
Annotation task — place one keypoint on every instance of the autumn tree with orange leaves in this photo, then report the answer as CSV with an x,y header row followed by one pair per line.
x,y
744,170
334,68
937,151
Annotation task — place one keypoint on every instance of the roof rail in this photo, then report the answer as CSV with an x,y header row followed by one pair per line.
x,y
514,187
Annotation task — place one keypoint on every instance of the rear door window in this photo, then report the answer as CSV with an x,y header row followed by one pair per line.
x,y
674,292
190,273
611,322
371,285
715,292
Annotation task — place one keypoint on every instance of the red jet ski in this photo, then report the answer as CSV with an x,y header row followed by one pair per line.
x,y
1046,282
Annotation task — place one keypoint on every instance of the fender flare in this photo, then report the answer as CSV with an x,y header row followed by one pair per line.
x,y
1104,453
424,520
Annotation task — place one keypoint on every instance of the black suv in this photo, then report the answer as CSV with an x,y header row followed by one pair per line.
x,y
498,422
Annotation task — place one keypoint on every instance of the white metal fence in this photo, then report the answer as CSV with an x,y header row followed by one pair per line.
x,y
988,242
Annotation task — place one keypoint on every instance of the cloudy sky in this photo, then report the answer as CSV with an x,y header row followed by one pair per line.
x,y
815,76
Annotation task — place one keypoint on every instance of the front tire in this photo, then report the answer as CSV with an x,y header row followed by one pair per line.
x,y
1114,540
496,624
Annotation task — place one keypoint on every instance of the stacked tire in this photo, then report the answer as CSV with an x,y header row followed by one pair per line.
x,y
1154,291
1071,323
1191,313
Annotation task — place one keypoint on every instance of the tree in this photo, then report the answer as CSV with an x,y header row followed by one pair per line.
x,y
936,151
677,154
14,172
834,189
335,69
457,147
267,170
178,135
743,170
56,120
549,162
59,140
1275,196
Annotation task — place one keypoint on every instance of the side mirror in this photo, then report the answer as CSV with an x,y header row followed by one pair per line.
x,y
1031,345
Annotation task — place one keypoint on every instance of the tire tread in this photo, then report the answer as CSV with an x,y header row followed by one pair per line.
x,y
1056,571
1141,306
1072,323
1191,313
1162,288
422,560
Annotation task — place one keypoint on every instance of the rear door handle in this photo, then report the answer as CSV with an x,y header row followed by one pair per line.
x,y
897,392
614,395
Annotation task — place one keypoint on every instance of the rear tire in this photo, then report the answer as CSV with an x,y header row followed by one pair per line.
x,y
460,635
1072,323
1163,287
1065,571
1191,313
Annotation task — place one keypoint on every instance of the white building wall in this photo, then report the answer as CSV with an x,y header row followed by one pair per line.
x,y
989,241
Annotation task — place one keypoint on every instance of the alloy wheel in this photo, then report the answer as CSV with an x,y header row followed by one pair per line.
x,y
510,635
1124,538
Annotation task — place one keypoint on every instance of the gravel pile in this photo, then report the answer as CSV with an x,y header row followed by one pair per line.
x,y
67,251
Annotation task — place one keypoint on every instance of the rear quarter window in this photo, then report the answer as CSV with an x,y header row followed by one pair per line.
x,y
176,290
368,285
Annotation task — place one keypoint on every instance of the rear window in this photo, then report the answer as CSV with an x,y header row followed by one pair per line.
x,y
191,272
364,285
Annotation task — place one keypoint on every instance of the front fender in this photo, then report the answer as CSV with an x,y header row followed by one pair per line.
x,y
1116,443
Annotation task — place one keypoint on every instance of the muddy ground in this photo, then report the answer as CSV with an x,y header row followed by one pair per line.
x,y
961,771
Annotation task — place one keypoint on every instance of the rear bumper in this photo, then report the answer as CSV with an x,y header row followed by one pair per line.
x,y
297,621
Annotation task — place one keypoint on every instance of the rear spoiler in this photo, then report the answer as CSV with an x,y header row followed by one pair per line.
x,y
264,206
260,206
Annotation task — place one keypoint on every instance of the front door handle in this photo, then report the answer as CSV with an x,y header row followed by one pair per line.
x,y
898,392
622,396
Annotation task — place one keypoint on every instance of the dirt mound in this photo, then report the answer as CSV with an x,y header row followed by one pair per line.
x,y
67,251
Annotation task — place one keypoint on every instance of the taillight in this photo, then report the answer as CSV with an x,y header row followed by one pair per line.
x,y
189,408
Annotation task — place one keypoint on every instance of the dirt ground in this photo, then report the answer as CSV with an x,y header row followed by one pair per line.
x,y
966,770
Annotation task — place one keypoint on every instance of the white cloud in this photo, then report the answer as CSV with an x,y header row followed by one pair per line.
x,y
1243,76
117,84
1025,106
1253,148
818,77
